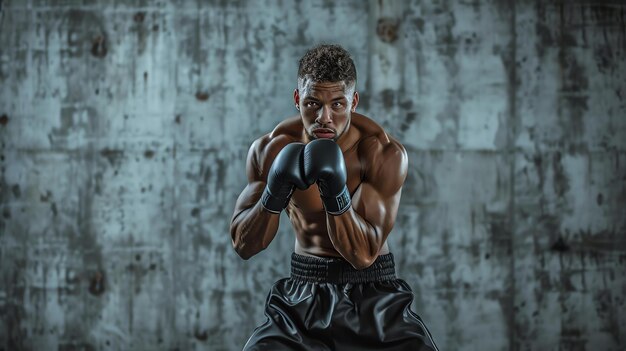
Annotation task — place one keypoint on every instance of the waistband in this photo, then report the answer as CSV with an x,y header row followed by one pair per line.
x,y
339,271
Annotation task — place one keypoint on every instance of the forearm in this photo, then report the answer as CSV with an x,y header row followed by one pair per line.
x,y
354,238
252,230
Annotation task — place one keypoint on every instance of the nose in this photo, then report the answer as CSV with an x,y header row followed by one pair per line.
x,y
324,116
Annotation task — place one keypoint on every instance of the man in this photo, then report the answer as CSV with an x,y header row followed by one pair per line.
x,y
339,177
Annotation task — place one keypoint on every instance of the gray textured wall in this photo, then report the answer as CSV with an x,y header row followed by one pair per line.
x,y
124,127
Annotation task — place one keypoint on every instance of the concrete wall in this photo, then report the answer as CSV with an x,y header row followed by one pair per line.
x,y
124,127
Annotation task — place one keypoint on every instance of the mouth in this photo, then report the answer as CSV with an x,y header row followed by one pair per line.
x,y
324,133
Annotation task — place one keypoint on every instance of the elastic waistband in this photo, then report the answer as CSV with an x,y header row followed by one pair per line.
x,y
339,271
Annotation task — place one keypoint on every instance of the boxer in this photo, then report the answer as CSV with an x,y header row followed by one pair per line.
x,y
338,176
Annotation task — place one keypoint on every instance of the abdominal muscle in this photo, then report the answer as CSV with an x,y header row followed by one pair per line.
x,y
312,236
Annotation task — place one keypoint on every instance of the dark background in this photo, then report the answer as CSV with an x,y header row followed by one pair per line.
x,y
124,127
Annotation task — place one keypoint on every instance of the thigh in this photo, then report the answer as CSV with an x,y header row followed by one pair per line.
x,y
384,319
287,309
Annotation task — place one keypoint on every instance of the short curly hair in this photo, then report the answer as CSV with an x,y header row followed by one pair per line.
x,y
327,63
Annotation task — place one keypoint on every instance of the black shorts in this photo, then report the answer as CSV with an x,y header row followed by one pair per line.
x,y
326,304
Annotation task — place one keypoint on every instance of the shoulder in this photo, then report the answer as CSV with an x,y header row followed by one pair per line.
x,y
382,156
375,142
264,149
287,131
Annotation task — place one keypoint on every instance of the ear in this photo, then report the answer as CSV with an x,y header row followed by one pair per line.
x,y
296,98
355,101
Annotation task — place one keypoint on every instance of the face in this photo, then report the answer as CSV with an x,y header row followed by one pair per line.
x,y
325,107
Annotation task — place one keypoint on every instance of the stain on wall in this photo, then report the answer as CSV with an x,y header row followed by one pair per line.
x,y
124,129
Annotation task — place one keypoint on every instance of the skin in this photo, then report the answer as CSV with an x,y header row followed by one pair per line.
x,y
376,166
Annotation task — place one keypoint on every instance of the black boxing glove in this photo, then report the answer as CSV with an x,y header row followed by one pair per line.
x,y
324,164
285,173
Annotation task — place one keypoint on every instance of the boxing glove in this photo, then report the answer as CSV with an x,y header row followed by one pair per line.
x,y
324,164
285,173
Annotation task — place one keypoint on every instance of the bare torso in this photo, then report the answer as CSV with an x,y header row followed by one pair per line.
x,y
305,209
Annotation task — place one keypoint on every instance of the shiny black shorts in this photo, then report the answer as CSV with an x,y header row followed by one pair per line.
x,y
326,304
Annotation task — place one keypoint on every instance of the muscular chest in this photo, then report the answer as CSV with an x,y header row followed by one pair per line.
x,y
309,200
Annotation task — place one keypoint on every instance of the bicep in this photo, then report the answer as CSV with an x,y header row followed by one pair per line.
x,y
256,180
261,154
378,208
378,197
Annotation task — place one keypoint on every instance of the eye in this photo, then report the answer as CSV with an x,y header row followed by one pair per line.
x,y
310,104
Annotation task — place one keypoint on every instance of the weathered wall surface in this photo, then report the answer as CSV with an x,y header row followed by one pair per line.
x,y
124,127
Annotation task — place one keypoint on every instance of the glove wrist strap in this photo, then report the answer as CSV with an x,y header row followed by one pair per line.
x,y
338,204
272,203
